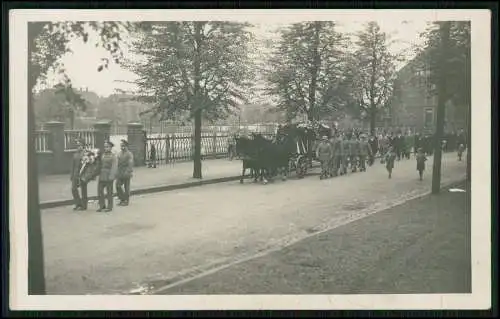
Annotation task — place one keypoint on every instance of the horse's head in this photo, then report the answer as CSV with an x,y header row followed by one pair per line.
x,y
245,146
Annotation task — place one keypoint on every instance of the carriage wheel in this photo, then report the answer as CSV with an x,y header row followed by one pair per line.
x,y
301,166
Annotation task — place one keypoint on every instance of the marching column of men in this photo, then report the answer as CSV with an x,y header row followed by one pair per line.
x,y
353,150
342,152
108,167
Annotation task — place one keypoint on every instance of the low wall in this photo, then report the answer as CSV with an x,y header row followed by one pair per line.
x,y
45,162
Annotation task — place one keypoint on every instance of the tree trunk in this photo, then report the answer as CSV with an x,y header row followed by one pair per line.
x,y
373,107
468,148
469,115
373,118
36,277
314,73
197,107
436,171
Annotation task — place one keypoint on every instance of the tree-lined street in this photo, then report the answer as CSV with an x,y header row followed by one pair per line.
x,y
161,238
202,71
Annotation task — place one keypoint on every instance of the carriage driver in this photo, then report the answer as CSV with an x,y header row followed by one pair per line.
x,y
324,154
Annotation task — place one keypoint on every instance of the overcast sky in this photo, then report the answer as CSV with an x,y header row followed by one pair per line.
x,y
82,64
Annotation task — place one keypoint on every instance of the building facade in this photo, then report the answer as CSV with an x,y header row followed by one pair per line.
x,y
414,101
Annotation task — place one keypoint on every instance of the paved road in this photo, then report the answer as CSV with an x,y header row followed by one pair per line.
x,y
164,237
58,187
422,246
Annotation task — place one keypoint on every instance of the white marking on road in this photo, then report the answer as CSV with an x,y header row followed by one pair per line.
x,y
457,190
198,272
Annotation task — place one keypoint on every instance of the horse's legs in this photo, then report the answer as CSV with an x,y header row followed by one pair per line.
x,y
265,172
243,173
284,172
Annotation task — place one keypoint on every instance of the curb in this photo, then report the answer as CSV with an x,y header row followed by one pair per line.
x,y
149,190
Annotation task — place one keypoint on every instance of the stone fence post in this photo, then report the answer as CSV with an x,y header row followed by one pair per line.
x,y
56,145
137,142
102,133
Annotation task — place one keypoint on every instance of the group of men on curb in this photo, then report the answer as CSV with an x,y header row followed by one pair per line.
x,y
106,167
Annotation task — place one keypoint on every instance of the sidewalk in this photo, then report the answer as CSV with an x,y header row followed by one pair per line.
x,y
54,189
421,246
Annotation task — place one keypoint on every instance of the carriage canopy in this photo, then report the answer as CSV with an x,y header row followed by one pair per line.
x,y
305,134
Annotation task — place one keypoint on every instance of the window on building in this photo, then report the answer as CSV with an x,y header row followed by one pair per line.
x,y
428,117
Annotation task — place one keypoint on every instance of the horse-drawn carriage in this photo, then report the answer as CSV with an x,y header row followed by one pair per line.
x,y
292,149
306,137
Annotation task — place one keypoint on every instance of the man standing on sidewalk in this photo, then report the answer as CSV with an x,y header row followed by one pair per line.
x,y
76,182
124,173
107,176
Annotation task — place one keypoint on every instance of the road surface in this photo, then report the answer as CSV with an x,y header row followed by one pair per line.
x,y
421,246
166,237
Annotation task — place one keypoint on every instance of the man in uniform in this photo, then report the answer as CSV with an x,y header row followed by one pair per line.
x,y
337,150
353,152
76,182
107,175
373,143
364,151
417,143
332,164
124,173
399,145
344,154
461,139
324,155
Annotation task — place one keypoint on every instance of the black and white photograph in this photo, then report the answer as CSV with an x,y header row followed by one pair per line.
x,y
250,159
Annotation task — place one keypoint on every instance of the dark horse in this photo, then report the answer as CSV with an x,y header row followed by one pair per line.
x,y
248,152
264,157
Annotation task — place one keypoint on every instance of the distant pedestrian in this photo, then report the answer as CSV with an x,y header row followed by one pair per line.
x,y
324,154
152,156
373,143
421,158
76,183
389,159
398,142
461,138
344,151
461,149
384,144
355,153
417,143
364,152
124,173
407,144
107,175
